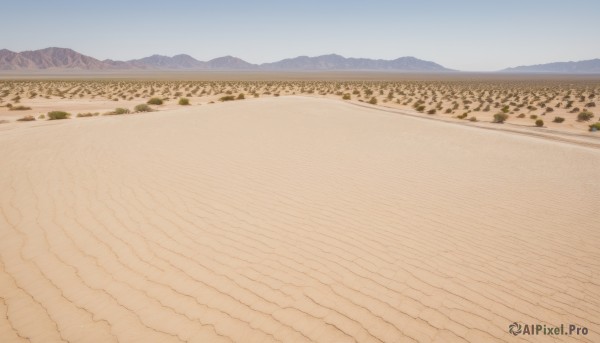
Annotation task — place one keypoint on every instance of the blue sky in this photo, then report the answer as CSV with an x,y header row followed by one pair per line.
x,y
465,35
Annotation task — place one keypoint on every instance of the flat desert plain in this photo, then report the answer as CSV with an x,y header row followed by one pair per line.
x,y
293,219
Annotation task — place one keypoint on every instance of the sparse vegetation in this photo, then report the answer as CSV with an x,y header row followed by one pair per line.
x,y
155,101
19,108
539,123
570,99
117,111
26,118
558,119
595,127
585,116
142,108
227,98
184,101
56,115
500,117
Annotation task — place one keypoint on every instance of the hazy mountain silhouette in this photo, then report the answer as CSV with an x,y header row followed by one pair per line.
x,y
579,67
61,58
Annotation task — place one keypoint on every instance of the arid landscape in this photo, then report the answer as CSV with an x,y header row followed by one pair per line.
x,y
289,213
300,171
551,104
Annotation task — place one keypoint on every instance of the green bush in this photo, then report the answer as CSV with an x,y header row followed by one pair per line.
x,y
184,101
142,108
55,115
539,123
585,116
595,127
155,101
500,117
558,119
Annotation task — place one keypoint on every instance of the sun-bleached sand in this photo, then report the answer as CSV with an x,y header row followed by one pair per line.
x,y
293,219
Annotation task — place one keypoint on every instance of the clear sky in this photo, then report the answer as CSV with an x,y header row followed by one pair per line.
x,y
465,35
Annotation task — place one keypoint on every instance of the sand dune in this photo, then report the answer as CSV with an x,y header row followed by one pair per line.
x,y
293,219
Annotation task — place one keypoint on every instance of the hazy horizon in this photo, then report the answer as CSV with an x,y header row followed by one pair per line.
x,y
463,35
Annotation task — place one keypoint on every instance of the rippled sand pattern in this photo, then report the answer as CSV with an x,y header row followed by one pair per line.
x,y
294,220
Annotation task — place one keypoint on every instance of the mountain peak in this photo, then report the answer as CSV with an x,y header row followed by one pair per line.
x,y
64,58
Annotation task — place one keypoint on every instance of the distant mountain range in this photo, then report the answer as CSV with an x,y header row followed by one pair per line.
x,y
61,58
65,59
580,67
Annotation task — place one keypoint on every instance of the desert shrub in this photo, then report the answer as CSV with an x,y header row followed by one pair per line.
x,y
42,116
522,115
420,108
585,116
4,121
558,119
118,111
346,96
155,101
448,110
590,104
533,116
142,108
184,101
549,109
539,123
462,116
227,98
242,97
373,101
432,111
19,108
83,115
26,118
500,117
595,127
55,115
505,109
473,119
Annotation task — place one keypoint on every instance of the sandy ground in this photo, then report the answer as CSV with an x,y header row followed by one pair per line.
x,y
293,219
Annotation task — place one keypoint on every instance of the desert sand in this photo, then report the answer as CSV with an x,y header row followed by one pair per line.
x,y
293,219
